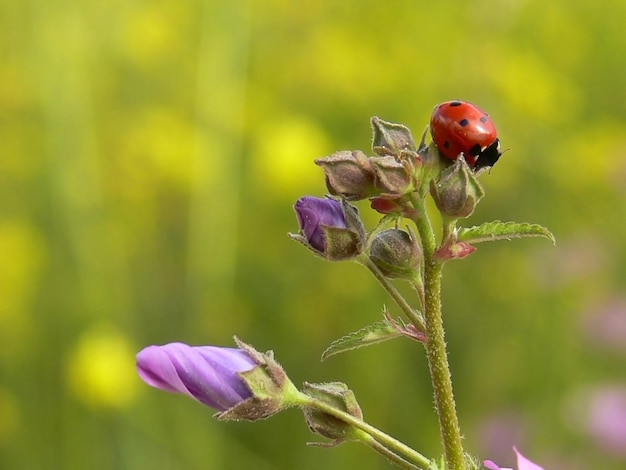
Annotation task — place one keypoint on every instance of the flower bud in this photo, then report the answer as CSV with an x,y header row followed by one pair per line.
x,y
391,138
349,174
331,229
208,374
239,383
394,175
457,191
393,204
452,249
339,396
396,253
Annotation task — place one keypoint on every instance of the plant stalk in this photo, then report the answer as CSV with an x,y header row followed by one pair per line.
x,y
436,345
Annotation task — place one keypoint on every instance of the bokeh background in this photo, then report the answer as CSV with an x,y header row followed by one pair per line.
x,y
150,155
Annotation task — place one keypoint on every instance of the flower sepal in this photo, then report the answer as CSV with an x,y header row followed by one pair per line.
x,y
271,389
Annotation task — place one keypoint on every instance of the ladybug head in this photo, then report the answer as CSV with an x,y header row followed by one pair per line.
x,y
489,156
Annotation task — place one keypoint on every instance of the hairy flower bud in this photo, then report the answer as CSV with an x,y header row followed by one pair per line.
x,y
330,228
239,383
395,175
349,174
339,396
208,374
396,253
457,191
391,138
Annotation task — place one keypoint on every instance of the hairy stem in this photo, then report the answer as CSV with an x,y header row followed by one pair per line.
x,y
436,345
387,453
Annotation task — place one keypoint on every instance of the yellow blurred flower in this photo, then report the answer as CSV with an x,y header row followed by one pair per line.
x,y
284,155
101,369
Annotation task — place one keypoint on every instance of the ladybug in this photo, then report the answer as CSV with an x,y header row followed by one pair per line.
x,y
461,127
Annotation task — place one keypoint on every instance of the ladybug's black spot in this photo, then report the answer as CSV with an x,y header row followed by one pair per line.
x,y
483,119
455,103
475,150
463,122
446,144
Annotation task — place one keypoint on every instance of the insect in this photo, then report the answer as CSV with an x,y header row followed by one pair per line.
x,y
461,127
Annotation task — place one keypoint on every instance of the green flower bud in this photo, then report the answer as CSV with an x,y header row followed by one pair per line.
x,y
395,175
339,396
457,191
396,253
349,174
391,138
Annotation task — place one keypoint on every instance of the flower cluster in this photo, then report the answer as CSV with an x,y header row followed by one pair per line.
x,y
241,383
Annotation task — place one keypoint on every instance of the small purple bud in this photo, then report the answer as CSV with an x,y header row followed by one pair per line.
x,y
329,228
208,374
313,213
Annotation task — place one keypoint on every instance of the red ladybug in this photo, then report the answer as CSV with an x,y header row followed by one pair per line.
x,y
460,127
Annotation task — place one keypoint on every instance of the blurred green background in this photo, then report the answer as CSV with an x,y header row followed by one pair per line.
x,y
150,155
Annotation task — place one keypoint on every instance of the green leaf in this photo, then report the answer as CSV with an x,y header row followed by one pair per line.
x,y
496,230
371,334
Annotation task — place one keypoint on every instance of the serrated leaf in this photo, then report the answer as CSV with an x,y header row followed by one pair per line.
x,y
496,230
371,334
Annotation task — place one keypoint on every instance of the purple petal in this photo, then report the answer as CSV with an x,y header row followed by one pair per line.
x,y
208,374
606,418
313,213
492,466
524,464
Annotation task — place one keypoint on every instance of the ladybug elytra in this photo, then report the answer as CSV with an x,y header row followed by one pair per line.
x,y
461,127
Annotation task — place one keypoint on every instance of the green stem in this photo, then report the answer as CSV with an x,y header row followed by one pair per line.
x,y
414,317
388,454
402,452
436,345
440,370
449,225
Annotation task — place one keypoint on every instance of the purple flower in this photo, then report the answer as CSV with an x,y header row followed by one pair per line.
x,y
208,374
313,213
522,463
606,418
605,327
